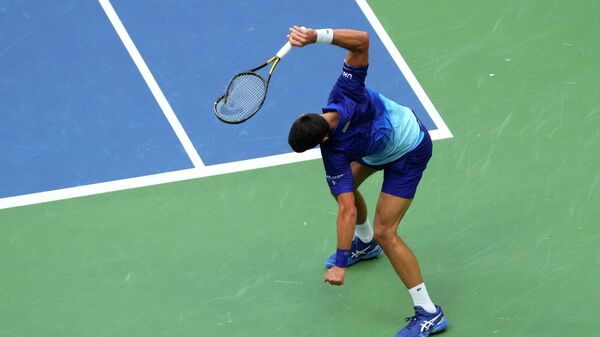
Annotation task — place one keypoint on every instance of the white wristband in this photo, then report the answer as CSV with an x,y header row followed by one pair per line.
x,y
324,36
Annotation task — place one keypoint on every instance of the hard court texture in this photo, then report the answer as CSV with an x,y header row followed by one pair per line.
x,y
505,222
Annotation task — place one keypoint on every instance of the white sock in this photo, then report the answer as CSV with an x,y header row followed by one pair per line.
x,y
421,298
364,231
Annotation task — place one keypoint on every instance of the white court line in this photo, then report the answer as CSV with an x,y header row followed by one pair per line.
x,y
157,179
99,188
151,82
442,130
201,170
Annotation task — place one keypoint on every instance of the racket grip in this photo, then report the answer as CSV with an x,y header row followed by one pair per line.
x,y
284,50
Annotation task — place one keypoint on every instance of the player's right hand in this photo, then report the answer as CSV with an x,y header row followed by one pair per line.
x,y
335,276
300,36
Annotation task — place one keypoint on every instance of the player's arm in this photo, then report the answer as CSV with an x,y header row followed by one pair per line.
x,y
341,184
346,221
355,41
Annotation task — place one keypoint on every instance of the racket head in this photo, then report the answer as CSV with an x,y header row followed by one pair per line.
x,y
245,95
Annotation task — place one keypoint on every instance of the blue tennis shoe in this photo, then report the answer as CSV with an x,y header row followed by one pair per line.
x,y
422,324
359,251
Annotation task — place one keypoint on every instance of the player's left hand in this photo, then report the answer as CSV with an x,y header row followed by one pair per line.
x,y
301,36
335,276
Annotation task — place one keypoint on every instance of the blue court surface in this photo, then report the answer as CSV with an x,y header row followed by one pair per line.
x,y
76,110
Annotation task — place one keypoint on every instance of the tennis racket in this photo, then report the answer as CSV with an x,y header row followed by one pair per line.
x,y
246,92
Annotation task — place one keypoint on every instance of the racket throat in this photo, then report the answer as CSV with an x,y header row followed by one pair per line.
x,y
277,59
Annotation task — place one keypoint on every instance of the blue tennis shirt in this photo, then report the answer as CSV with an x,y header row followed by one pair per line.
x,y
371,127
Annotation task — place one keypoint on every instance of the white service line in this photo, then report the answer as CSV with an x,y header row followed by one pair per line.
x,y
251,164
99,188
442,130
151,82
156,179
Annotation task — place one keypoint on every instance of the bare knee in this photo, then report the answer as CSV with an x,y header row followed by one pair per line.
x,y
384,235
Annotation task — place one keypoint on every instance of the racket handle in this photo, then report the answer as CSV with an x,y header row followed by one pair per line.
x,y
284,50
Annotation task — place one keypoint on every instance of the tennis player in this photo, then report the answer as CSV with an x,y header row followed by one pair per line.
x,y
361,132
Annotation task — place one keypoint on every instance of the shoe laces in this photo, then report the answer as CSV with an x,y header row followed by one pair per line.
x,y
411,318
414,320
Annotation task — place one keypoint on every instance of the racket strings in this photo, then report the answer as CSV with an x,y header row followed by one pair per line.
x,y
244,97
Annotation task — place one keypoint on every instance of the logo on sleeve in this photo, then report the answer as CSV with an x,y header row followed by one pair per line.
x,y
334,179
346,127
347,75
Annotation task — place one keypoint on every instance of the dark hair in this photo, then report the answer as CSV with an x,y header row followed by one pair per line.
x,y
307,132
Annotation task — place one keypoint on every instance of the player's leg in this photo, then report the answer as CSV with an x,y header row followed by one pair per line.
x,y
400,181
428,317
363,230
388,214
360,173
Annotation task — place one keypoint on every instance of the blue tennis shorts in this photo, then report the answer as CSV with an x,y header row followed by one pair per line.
x,y
401,177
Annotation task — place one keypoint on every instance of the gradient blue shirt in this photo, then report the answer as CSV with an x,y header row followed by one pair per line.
x,y
371,127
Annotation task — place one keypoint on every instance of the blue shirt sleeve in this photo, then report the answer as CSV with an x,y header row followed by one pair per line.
x,y
351,82
337,170
348,91
346,96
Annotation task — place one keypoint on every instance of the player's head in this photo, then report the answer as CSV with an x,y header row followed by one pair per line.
x,y
308,131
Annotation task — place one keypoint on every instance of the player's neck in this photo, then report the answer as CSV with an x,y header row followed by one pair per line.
x,y
332,119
